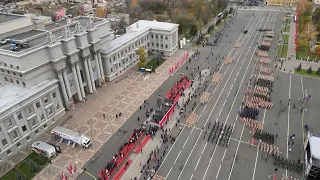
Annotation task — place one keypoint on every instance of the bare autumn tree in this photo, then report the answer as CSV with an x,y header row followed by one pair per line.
x,y
309,32
198,6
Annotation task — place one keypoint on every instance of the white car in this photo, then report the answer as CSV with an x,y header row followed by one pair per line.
x,y
4,41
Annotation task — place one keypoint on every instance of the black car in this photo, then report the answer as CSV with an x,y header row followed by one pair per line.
x,y
245,31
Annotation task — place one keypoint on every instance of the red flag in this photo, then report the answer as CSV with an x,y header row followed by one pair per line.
x,y
60,14
71,170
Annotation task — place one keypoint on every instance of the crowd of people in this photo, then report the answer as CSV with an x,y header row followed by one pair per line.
x,y
178,89
117,159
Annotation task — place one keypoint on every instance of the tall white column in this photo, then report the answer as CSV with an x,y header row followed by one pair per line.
x,y
98,67
75,77
80,80
101,67
91,75
63,87
65,77
86,69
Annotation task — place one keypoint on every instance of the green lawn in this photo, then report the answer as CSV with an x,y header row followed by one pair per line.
x,y
282,53
285,38
288,21
286,29
302,54
279,50
155,62
24,167
304,72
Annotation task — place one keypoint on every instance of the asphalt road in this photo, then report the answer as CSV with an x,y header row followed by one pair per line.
x,y
191,156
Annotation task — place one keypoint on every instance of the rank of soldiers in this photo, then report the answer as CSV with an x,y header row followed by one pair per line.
x,y
290,165
220,133
264,136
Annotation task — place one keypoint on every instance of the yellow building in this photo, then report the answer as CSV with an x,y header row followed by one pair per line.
x,y
282,2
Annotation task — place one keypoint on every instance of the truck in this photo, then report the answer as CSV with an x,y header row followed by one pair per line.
x,y
70,136
44,149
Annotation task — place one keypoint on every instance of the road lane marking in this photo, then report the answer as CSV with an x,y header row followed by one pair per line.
x,y
177,158
90,175
191,176
218,172
189,156
224,154
168,173
302,119
288,130
185,142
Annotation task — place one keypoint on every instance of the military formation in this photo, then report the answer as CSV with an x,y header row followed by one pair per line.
x,y
290,165
264,136
220,133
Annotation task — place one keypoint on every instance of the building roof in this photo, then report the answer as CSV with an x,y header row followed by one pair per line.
x,y
11,94
142,24
8,17
136,29
37,37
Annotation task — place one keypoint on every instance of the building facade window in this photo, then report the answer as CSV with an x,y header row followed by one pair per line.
x,y
14,135
46,100
54,95
20,75
166,46
33,122
23,83
9,123
38,105
5,78
24,128
58,106
11,80
18,144
28,138
49,111
18,67
29,110
9,152
45,126
36,131
41,117
166,37
19,115
4,142
17,82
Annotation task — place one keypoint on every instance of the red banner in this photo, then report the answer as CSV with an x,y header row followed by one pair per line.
x,y
167,116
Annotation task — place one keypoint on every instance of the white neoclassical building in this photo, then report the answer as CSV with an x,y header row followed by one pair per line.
x,y
45,69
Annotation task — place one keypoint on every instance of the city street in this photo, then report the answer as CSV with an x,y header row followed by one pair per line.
x,y
191,156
